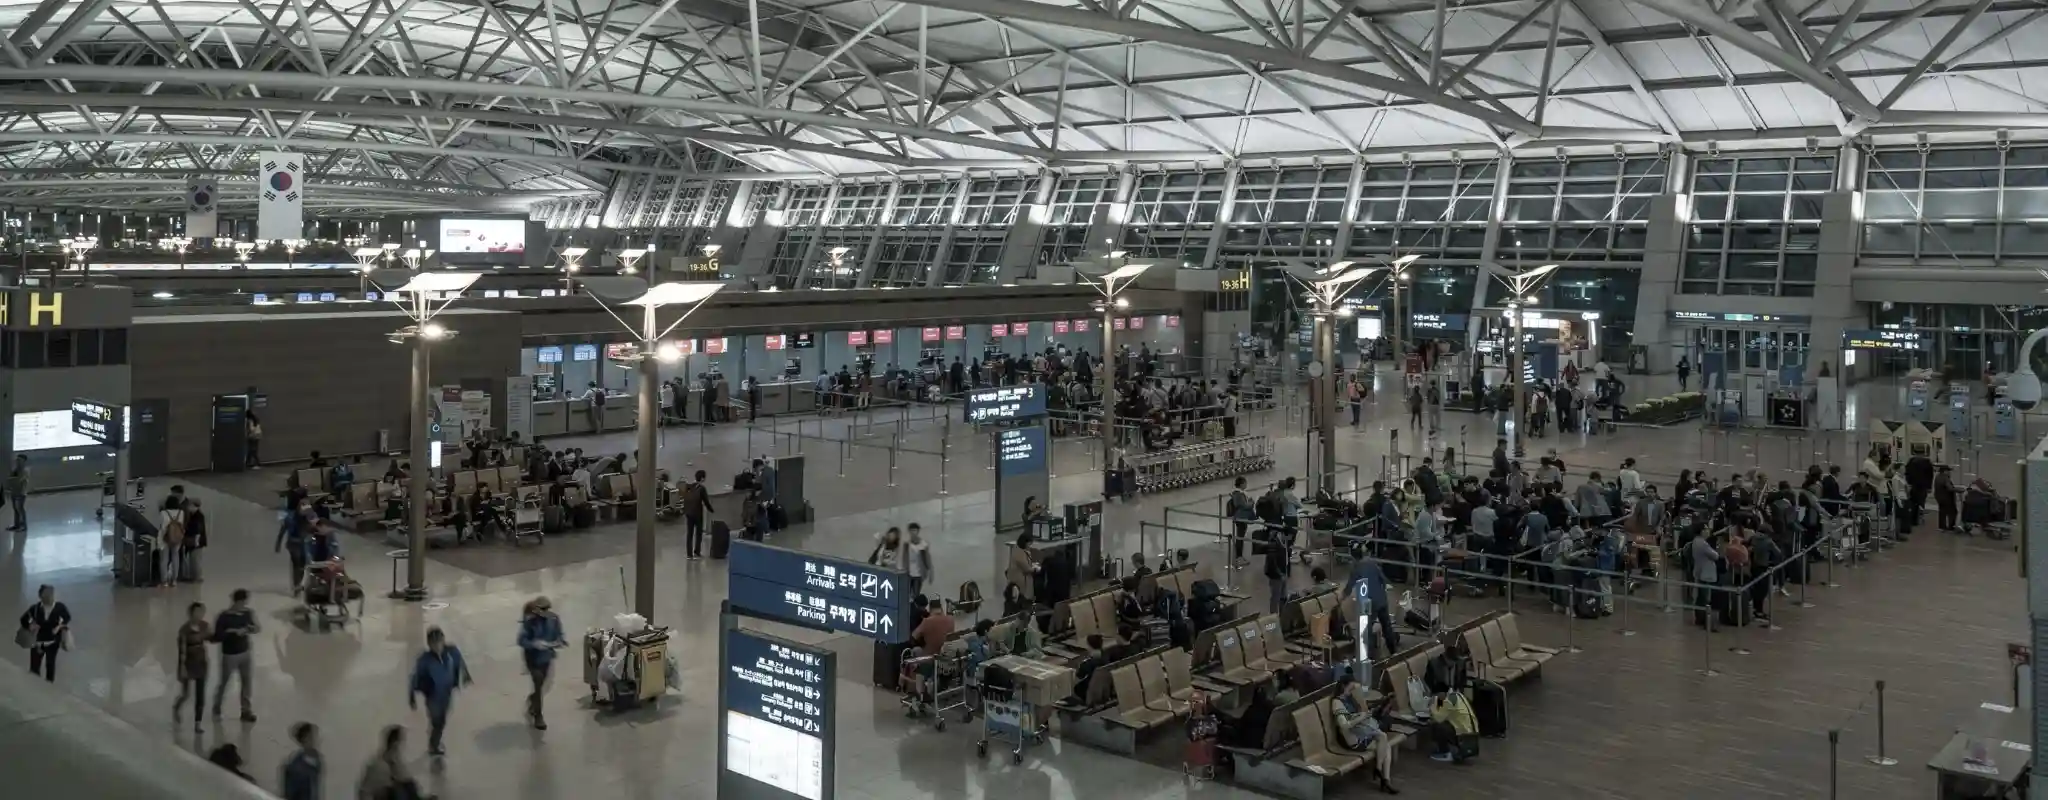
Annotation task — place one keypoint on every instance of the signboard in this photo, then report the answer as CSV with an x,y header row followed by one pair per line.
x,y
776,717
802,341
931,334
1173,320
714,346
1122,323
583,352
819,591
1021,451
620,351
883,337
1884,340
856,338
1080,326
326,297
686,347
1020,329
104,423
551,354
1062,326
1137,323
1002,403
1437,322
774,341
1737,316
998,330
956,332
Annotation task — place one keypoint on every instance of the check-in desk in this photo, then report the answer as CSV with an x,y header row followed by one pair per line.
x,y
560,417
788,397
1987,756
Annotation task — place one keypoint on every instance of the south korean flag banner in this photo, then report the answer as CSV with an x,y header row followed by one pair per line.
x,y
281,196
202,207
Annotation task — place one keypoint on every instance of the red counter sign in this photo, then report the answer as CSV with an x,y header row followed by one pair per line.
x,y
1122,323
998,330
857,338
1020,329
956,331
714,346
775,341
1137,322
931,334
884,337
1062,326
687,347
1173,321
1080,326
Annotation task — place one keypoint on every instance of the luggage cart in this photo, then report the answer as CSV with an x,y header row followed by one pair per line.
x,y
934,685
108,496
1007,717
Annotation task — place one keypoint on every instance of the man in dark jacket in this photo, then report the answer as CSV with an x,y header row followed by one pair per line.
x,y
1919,481
299,778
696,501
1279,562
1425,478
1500,456
1366,573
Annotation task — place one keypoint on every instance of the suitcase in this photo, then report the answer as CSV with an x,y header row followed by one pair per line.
x,y
188,566
554,519
1490,706
777,518
584,516
889,664
721,539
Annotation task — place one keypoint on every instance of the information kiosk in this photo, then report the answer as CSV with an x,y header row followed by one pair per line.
x,y
776,717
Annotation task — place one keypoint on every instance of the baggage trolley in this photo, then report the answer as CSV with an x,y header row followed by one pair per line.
x,y
108,496
934,685
1007,717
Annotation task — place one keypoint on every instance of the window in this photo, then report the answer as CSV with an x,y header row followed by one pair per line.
x,y
1756,225
1980,205
30,347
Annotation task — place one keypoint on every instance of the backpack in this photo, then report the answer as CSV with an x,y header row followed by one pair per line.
x,y
597,398
1170,606
1267,507
1205,589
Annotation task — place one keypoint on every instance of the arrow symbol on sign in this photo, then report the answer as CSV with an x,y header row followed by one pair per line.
x,y
887,624
888,587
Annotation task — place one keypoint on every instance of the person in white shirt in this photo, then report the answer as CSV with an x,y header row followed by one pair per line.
x,y
668,394
1631,480
594,397
917,558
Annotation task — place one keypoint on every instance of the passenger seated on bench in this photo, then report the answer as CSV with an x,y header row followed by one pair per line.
x,y
321,545
1086,666
396,472
489,513
1248,729
1130,610
317,461
930,635
1353,717
341,477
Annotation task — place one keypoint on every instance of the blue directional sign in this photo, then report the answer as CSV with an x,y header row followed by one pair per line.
x,y
1002,403
1021,451
819,591
776,718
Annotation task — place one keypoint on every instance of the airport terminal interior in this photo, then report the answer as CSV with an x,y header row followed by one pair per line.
x,y
1629,399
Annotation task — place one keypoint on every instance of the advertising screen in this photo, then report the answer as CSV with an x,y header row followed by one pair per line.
x,y
51,430
466,236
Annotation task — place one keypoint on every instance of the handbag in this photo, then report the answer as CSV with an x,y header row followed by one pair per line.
x,y
24,637
1419,697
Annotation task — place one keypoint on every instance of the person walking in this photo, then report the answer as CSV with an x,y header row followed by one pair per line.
x,y
253,431
300,776
17,492
1366,572
387,777
540,635
917,558
48,623
1278,564
1415,407
232,629
696,503
436,674
1945,497
191,655
1356,389
1684,371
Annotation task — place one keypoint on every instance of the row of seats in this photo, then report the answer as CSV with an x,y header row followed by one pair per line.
x,y
1322,745
1151,689
1498,652
1094,615
1252,652
497,479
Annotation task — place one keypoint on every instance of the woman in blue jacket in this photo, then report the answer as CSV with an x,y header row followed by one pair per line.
x,y
436,675
540,635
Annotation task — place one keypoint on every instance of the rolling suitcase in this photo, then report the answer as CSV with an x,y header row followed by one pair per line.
x,y
584,516
889,664
553,519
188,566
721,539
1490,705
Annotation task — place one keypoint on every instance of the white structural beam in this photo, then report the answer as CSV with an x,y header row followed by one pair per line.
x,y
1700,16
1195,40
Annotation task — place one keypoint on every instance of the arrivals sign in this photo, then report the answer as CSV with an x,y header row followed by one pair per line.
x,y
1883,340
819,591
1003,403
103,423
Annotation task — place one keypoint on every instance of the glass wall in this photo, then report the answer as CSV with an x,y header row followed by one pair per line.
x,y
1173,214
1437,210
1981,205
1582,208
1755,225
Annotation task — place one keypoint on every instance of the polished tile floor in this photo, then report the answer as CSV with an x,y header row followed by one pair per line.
x,y
1630,717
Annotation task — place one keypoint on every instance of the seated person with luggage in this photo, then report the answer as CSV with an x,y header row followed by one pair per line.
x,y
1984,509
342,476
1358,728
1130,609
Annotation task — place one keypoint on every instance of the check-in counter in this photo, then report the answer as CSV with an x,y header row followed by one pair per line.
x,y
564,417
788,397
550,418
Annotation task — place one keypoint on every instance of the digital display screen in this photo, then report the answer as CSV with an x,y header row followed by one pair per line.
x,y
1884,340
50,430
467,236
1005,403
777,700
549,355
1022,451
583,352
819,592
96,421
1437,322
1370,327
802,341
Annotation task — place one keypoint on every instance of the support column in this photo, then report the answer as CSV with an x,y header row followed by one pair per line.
x,y
416,492
1323,403
1019,258
871,254
1663,252
1341,248
1489,247
762,238
1224,210
1106,227
644,550
727,232
1834,309
957,208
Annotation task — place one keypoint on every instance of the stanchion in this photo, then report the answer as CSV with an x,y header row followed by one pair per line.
x,y
892,462
1736,600
1570,642
1832,558
842,458
1805,577
750,437
1707,652
945,437
1834,762
1626,601
942,479
800,434
702,431
1881,759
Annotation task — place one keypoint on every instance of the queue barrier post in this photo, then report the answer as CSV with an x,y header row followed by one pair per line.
x,y
1834,762
842,458
1626,630
1707,649
397,556
892,462
1881,759
1570,619
702,431
1736,600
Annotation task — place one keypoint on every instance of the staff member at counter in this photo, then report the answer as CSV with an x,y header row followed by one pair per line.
x,y
1023,569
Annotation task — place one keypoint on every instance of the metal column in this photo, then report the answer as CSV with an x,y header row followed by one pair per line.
x,y
643,480
1323,399
416,491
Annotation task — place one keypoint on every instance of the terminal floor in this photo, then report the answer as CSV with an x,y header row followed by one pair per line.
x,y
1630,717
